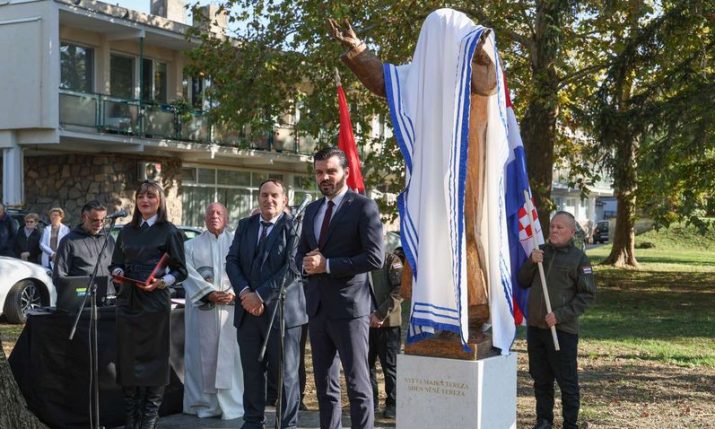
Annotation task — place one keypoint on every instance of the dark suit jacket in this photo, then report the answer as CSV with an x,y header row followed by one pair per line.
x,y
264,272
353,247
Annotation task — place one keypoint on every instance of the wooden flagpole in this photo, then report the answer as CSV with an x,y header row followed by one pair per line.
x,y
529,211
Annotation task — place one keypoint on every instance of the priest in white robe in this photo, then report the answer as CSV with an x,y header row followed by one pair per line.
x,y
213,379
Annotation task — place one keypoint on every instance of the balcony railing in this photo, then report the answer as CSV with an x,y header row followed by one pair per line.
x,y
105,113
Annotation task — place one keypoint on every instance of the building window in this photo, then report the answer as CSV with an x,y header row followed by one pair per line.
x,y
154,81
302,187
236,189
76,67
193,91
121,76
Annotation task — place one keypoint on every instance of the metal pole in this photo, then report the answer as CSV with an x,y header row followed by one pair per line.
x,y
141,85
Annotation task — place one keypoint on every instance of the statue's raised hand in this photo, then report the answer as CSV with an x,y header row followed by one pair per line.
x,y
481,56
345,34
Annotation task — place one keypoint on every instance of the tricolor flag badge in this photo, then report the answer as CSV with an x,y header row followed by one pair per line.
x,y
587,270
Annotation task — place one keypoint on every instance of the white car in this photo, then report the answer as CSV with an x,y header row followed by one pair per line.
x,y
24,286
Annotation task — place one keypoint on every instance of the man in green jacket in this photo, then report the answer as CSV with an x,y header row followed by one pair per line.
x,y
571,288
385,331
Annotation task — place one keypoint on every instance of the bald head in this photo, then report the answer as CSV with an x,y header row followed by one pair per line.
x,y
562,228
568,218
216,218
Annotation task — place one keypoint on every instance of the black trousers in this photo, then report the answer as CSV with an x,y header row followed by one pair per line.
x,y
336,341
271,392
251,335
547,365
385,345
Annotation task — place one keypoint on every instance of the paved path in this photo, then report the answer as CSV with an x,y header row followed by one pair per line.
x,y
306,419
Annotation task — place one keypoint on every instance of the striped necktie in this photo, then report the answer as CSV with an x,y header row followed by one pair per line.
x,y
264,233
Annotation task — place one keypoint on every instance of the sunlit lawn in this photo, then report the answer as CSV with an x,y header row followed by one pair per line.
x,y
663,310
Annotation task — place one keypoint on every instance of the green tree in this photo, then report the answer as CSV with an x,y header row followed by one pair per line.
x,y
677,157
286,56
655,57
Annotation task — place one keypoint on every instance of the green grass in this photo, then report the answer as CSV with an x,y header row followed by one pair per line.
x,y
9,332
677,249
665,259
680,237
661,312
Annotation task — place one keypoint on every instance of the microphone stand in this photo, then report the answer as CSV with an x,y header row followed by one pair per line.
x,y
280,303
91,292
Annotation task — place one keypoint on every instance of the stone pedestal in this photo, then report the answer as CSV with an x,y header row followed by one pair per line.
x,y
450,393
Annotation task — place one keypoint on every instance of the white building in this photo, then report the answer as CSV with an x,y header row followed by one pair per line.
x,y
88,111
589,210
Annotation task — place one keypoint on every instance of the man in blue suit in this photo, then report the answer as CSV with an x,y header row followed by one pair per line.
x,y
260,256
340,243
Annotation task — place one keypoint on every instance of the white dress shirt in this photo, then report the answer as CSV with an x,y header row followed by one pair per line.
x,y
151,221
270,227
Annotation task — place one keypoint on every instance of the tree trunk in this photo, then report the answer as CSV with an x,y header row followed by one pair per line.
x,y
620,134
624,237
13,408
539,123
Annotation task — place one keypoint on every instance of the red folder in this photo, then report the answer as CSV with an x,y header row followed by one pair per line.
x,y
142,283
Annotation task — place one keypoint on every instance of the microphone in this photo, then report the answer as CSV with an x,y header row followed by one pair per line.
x,y
299,213
117,214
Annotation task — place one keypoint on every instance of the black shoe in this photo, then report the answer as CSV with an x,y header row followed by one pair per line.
x,y
390,412
543,424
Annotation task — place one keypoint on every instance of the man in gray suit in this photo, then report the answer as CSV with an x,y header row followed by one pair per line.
x,y
340,243
260,257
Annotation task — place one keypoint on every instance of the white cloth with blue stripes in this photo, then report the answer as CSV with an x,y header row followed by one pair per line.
x,y
429,102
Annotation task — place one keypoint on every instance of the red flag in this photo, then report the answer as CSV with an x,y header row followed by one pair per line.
x,y
346,142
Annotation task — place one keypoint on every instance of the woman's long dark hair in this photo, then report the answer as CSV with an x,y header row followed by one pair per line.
x,y
145,186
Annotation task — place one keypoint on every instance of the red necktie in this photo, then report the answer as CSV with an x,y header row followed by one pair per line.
x,y
326,224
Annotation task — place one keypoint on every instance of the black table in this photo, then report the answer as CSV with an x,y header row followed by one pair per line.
x,y
53,372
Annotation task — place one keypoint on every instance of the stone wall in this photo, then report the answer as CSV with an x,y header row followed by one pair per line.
x,y
69,181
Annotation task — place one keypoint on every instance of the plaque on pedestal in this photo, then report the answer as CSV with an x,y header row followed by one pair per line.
x,y
450,393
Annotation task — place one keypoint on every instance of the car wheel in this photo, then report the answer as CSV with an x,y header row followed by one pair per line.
x,y
22,297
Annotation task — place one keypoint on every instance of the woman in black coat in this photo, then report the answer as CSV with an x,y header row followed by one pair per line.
x,y
143,309
27,240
